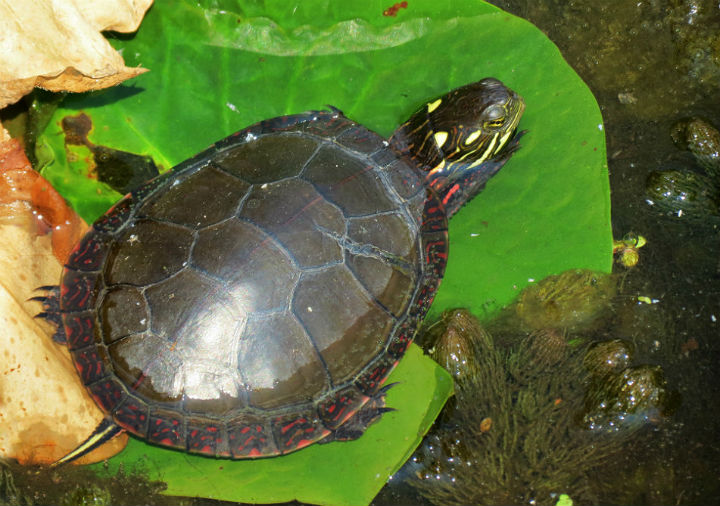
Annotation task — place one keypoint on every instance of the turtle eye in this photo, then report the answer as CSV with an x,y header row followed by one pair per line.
x,y
494,116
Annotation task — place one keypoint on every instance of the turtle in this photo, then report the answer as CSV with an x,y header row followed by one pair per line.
x,y
253,300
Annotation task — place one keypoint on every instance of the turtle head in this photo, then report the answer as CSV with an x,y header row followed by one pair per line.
x,y
462,138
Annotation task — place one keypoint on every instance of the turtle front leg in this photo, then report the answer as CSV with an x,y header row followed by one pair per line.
x,y
51,311
357,424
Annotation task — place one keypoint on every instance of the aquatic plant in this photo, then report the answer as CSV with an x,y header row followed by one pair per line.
x,y
687,195
10,495
626,250
702,140
78,486
510,435
683,194
607,357
87,495
574,299
448,343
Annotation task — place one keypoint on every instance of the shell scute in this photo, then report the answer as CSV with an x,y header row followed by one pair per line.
x,y
90,365
295,431
108,393
250,437
79,329
89,254
132,415
79,291
167,429
116,217
207,437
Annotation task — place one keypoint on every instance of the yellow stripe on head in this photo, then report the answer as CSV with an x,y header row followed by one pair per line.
x,y
433,105
505,138
440,138
473,137
489,151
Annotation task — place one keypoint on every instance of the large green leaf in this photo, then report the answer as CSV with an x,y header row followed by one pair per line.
x,y
219,66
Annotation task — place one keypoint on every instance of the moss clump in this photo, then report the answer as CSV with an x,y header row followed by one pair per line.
x,y
572,300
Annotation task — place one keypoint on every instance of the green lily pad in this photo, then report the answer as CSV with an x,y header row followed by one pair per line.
x,y
219,66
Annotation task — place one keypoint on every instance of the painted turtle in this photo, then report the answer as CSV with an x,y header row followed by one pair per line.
x,y
253,300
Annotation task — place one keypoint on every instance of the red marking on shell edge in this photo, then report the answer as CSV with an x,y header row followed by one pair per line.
x,y
255,453
292,424
167,442
303,443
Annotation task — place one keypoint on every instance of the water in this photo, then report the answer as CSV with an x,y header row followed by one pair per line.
x,y
650,64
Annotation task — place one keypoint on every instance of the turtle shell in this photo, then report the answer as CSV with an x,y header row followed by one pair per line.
x,y
251,301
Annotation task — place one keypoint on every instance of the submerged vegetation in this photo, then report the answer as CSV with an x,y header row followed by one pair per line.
x,y
684,194
535,411
532,450
77,486
572,300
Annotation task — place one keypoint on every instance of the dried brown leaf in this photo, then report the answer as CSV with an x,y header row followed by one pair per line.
x,y
57,45
44,409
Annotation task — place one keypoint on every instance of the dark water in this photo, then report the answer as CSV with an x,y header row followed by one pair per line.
x,y
650,64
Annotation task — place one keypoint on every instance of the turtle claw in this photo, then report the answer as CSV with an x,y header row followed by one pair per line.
x,y
385,388
44,299
51,310
335,110
48,288
50,317
51,299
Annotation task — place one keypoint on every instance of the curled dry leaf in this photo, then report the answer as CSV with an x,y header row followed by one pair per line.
x,y
44,409
57,45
